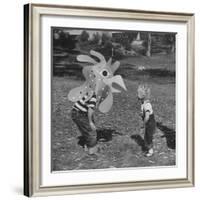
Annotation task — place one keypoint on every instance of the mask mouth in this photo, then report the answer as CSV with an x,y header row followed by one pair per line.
x,y
117,80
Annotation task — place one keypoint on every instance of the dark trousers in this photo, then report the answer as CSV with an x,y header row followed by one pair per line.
x,y
81,120
150,127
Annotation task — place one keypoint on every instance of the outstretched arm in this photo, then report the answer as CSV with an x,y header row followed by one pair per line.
x,y
90,116
146,118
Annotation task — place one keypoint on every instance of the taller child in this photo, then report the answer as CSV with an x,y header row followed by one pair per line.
x,y
96,92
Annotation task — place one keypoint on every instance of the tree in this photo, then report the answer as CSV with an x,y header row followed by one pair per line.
x,y
148,52
106,38
138,36
171,40
96,38
84,36
63,40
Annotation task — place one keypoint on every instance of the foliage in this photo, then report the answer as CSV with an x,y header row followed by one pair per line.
x,y
62,39
169,38
84,36
106,38
111,43
96,37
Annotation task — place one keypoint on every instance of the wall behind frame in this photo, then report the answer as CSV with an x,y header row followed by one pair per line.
x,y
11,101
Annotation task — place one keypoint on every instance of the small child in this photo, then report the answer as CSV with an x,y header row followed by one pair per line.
x,y
148,118
83,115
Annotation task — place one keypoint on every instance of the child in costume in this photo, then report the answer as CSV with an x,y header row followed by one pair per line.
x,y
83,116
96,92
147,115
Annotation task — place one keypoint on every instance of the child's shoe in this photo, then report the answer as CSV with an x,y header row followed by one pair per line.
x,y
85,148
149,153
92,150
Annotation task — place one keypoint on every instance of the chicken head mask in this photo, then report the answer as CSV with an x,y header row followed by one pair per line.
x,y
99,78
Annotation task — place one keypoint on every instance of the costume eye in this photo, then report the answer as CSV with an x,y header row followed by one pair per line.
x,y
105,73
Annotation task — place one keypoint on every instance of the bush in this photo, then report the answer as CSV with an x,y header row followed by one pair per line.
x,y
84,36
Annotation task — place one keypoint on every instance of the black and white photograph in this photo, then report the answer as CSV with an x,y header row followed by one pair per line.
x,y
113,100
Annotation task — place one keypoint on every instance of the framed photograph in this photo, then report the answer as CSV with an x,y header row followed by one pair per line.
x,y
108,100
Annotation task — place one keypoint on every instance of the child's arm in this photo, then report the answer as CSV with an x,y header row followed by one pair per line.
x,y
148,111
146,118
90,115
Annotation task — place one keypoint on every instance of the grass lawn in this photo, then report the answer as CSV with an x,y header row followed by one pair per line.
x,y
119,130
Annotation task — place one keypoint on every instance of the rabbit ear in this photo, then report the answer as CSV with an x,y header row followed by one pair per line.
x,y
85,58
98,55
115,66
107,103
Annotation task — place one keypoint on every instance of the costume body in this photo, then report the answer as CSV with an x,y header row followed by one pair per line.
x,y
99,77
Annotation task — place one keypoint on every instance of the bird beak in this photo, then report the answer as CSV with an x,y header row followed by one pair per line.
x,y
115,79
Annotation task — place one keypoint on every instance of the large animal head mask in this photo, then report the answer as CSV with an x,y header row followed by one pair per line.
x,y
99,79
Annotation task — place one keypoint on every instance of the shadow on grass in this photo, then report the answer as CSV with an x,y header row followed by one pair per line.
x,y
103,135
139,140
169,134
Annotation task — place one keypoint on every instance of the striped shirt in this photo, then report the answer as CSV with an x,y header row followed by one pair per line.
x,y
83,104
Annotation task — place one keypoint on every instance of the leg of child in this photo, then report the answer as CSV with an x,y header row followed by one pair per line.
x,y
90,136
148,136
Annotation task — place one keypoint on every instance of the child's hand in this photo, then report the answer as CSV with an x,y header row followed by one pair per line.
x,y
142,125
142,131
93,127
146,119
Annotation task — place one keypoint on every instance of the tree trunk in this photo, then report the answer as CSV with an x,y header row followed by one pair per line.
x,y
172,48
148,52
138,36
